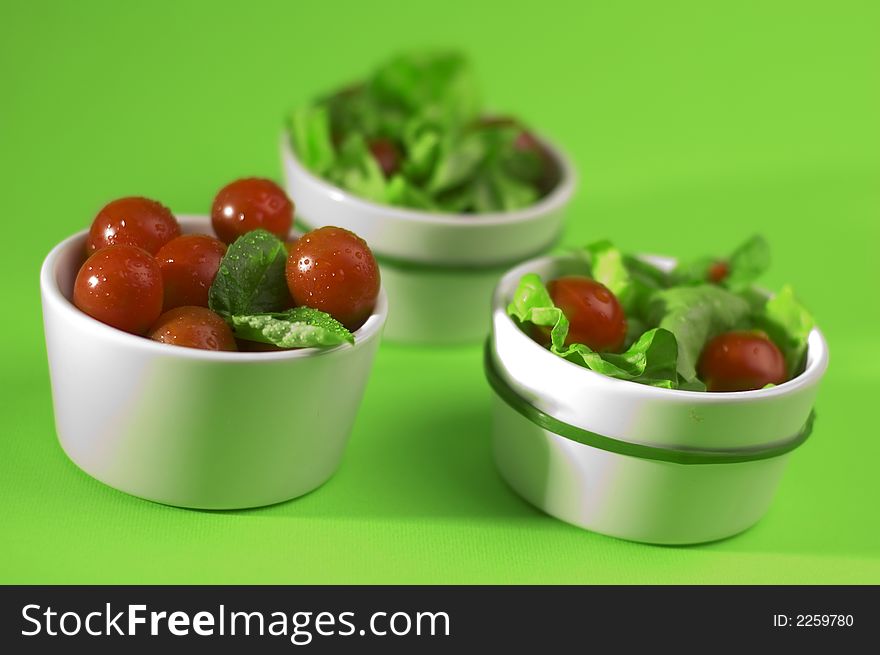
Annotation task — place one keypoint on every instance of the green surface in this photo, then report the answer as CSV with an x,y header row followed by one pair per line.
x,y
692,126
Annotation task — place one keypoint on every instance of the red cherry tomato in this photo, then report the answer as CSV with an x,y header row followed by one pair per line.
x,y
189,265
595,316
386,155
120,286
333,270
290,243
527,142
193,327
718,271
249,204
135,222
741,361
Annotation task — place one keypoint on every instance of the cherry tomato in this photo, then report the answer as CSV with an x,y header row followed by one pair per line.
x,y
290,243
249,204
548,170
386,155
135,222
595,316
189,265
718,271
527,142
740,361
333,270
120,286
193,327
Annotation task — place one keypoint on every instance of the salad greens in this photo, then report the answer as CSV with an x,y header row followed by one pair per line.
x,y
250,293
695,315
414,134
742,267
671,315
787,322
650,360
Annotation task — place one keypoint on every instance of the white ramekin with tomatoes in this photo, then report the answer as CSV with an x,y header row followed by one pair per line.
x,y
207,370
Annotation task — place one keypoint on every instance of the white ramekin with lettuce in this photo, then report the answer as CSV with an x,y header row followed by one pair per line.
x,y
632,443
447,195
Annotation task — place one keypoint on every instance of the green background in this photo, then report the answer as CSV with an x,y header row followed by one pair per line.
x,y
692,126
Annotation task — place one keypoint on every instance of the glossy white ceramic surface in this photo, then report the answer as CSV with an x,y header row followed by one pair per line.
x,y
642,499
190,427
432,261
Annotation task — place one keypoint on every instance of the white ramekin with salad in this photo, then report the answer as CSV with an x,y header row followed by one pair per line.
x,y
448,195
650,399
210,371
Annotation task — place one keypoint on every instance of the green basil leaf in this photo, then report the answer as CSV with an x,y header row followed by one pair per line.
x,y
300,327
251,278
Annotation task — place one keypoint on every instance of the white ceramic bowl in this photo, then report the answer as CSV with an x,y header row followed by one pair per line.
x,y
196,428
439,270
630,460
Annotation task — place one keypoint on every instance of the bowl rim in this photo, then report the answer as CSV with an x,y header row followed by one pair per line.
x,y
558,197
817,348
190,224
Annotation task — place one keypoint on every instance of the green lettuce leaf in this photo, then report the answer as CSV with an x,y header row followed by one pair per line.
x,y
358,171
630,279
788,324
422,144
399,191
458,160
606,263
510,193
300,327
650,360
440,84
747,263
692,272
694,315
531,303
608,266
451,158
310,134
251,278
646,273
